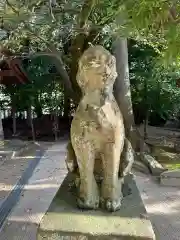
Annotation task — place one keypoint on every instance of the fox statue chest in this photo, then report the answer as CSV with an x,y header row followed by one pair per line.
x,y
97,119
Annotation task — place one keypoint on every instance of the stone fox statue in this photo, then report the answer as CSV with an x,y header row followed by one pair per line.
x,y
97,133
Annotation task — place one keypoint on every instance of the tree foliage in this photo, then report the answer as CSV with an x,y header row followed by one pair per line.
x,y
154,89
71,26
58,22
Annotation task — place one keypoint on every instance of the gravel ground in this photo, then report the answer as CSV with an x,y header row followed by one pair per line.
x,y
163,206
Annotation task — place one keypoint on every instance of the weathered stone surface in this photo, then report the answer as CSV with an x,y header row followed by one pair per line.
x,y
155,167
64,221
171,174
139,166
165,156
171,178
98,134
173,123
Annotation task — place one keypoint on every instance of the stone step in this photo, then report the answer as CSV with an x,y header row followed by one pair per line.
x,y
171,178
14,173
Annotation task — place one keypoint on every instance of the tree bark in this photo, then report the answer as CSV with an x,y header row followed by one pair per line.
x,y
146,110
38,107
122,94
67,106
30,121
1,128
122,89
55,125
13,113
78,44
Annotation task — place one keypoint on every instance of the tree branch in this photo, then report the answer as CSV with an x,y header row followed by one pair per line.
x,y
51,10
77,45
12,7
55,57
57,61
173,14
85,12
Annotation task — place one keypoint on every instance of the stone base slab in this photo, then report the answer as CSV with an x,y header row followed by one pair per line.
x,y
64,221
171,178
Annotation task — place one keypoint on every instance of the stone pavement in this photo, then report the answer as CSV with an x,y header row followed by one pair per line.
x,y
162,203
38,193
163,206
15,170
9,148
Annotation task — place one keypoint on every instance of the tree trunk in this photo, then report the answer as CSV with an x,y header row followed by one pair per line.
x,y
122,94
146,109
13,113
55,125
30,122
67,106
122,89
78,44
38,107
1,128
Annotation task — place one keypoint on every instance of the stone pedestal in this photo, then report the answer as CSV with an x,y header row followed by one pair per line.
x,y
171,178
63,221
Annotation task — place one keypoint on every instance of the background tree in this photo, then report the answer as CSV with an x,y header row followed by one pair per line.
x,y
70,27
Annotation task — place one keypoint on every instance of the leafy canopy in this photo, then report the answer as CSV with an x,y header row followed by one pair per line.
x,y
153,22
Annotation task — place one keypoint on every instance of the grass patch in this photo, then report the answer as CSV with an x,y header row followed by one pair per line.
x,y
168,157
172,166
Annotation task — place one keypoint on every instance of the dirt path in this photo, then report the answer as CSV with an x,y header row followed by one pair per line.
x,y
163,206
